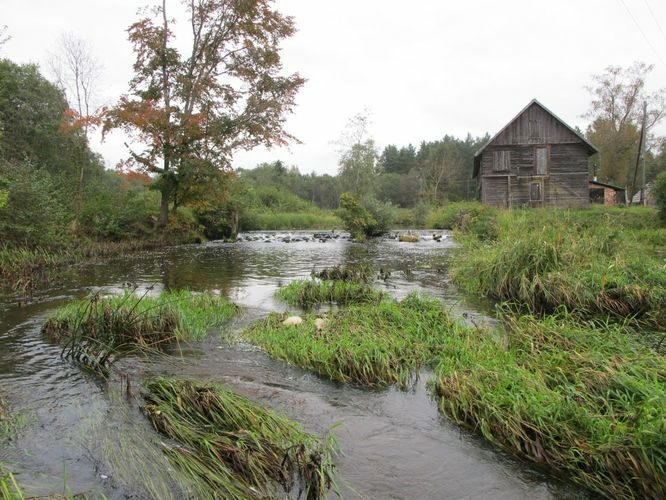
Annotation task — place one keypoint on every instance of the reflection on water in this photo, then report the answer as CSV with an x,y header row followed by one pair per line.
x,y
395,443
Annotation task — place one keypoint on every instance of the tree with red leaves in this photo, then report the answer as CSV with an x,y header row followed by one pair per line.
x,y
227,94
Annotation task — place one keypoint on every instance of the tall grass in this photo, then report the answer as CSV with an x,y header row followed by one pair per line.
x,y
232,448
371,344
94,330
582,400
358,273
306,293
26,269
9,487
589,261
271,221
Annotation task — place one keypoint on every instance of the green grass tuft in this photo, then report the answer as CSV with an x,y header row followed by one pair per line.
x,y
370,344
306,293
230,447
95,329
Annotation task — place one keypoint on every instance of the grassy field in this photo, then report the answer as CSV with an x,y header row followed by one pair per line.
x,y
230,447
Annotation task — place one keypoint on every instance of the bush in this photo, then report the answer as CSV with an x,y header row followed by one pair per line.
x,y
370,218
469,217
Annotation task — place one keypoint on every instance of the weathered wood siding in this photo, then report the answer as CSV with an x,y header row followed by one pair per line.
x,y
565,183
535,126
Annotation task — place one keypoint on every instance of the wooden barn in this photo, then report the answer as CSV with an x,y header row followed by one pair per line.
x,y
536,160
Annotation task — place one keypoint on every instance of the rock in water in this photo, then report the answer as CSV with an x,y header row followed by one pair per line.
x,y
293,320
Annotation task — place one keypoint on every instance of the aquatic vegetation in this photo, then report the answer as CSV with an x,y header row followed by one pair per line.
x,y
589,261
9,487
580,399
94,330
231,447
306,293
368,344
360,273
408,238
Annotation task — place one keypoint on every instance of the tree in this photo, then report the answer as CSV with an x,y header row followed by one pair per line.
x,y
225,95
358,157
616,111
77,73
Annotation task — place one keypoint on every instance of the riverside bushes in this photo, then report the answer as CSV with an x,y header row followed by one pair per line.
x,y
230,447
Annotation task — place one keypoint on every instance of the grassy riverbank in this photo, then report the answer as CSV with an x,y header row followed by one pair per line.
x,y
231,447
94,330
603,264
272,220
581,400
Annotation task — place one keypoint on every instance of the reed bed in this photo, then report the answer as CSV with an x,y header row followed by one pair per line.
x,y
230,447
373,345
96,329
26,269
588,261
306,293
581,400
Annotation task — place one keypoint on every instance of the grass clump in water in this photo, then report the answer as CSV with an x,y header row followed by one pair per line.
x,y
94,329
231,447
306,293
357,273
408,238
369,344
580,399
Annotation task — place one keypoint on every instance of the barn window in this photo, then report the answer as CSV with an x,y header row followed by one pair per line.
x,y
541,161
535,191
502,161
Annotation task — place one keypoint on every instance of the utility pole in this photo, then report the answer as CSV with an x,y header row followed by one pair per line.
x,y
641,142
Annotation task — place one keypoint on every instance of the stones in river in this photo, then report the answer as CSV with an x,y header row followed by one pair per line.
x,y
292,321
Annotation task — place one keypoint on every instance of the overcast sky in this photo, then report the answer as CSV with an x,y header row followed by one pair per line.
x,y
423,68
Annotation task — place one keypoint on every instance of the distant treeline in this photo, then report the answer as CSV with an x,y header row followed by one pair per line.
x,y
436,172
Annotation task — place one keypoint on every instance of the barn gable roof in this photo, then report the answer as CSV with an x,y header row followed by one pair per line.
x,y
477,156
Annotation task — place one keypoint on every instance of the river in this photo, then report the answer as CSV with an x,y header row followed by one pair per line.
x,y
84,435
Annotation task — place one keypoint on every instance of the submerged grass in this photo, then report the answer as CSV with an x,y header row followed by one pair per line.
x,y
306,293
596,263
358,273
580,399
370,344
95,329
231,447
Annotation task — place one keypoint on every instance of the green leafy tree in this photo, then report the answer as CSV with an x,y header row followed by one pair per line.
x,y
225,95
618,95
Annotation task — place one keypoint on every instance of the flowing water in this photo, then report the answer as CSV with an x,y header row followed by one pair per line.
x,y
83,435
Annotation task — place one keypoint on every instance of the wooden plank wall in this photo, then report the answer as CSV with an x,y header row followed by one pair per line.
x,y
535,126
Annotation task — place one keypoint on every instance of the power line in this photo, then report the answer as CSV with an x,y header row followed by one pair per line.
x,y
643,33
654,18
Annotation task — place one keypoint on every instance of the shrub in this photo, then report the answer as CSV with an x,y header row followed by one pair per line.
x,y
368,218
